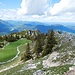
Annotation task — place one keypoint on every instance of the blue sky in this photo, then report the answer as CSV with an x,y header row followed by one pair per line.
x,y
53,1
13,4
38,10
10,4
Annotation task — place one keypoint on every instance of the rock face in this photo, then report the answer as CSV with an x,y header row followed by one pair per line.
x,y
71,71
66,48
65,54
49,62
39,72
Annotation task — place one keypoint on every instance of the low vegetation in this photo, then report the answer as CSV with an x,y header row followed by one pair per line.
x,y
35,67
10,51
44,44
33,54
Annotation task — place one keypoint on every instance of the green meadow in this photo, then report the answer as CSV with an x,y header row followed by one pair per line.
x,y
10,51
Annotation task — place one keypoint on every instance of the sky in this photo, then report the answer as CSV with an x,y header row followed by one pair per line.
x,y
38,10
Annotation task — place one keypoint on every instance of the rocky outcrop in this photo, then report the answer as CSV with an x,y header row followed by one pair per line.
x,y
71,71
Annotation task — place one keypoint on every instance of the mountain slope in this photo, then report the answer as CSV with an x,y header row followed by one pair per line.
x,y
16,26
56,63
4,27
44,29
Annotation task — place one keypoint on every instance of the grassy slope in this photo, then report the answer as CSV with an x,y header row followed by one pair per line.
x,y
20,69
11,50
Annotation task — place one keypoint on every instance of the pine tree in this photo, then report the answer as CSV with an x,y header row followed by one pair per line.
x,y
17,37
6,37
37,48
50,42
27,55
1,39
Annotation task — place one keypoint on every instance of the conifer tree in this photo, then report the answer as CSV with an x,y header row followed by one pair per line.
x,y
50,42
27,54
37,48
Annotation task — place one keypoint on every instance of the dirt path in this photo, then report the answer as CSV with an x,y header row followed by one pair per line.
x,y
12,66
18,52
12,60
49,62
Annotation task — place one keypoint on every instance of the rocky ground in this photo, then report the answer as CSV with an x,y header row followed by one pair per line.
x,y
49,62
71,71
64,54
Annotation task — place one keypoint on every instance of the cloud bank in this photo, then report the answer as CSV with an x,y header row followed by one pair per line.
x,y
40,10
64,6
33,7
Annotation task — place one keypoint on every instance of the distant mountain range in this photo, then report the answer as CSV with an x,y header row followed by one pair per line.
x,y
62,28
7,27
4,27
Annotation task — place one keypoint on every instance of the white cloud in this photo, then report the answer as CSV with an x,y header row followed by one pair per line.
x,y
11,14
33,7
64,6
8,14
39,10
